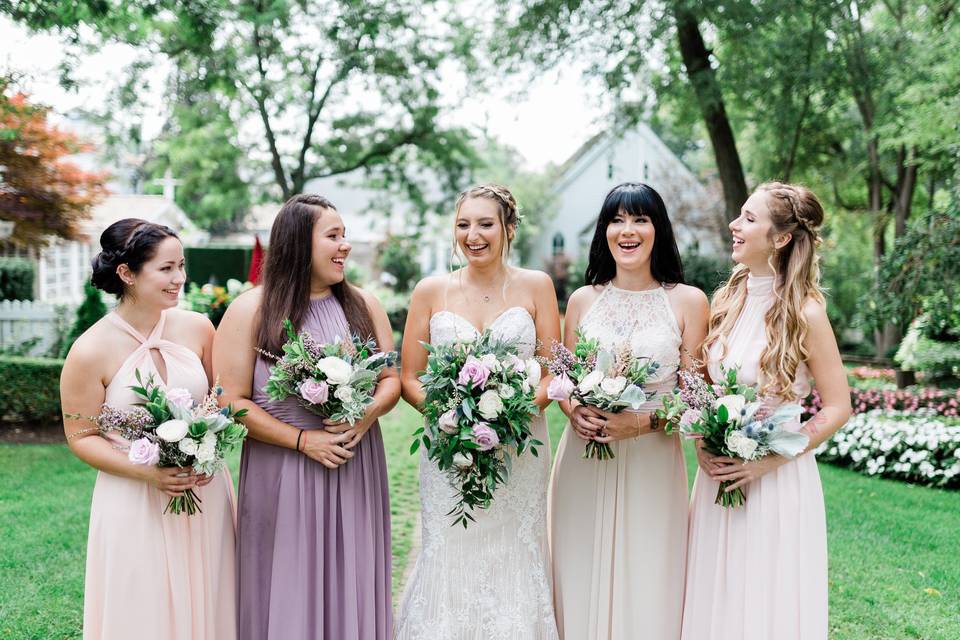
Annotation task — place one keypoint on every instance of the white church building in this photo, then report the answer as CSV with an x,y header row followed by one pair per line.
x,y
608,159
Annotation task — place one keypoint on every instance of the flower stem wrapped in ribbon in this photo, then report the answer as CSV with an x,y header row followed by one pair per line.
x,y
730,421
334,380
611,380
478,410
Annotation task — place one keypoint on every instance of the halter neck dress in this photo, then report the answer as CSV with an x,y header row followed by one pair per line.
x,y
150,575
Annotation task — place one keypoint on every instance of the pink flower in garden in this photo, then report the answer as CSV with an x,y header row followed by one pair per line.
x,y
142,451
474,372
485,437
314,392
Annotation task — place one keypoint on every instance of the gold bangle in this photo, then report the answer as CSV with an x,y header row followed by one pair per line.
x,y
638,424
81,432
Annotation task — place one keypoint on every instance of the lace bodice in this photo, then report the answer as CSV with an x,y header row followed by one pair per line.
x,y
644,320
512,325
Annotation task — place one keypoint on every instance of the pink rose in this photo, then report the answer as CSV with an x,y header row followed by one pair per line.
x,y
448,422
474,372
180,397
314,392
485,437
142,451
560,388
689,417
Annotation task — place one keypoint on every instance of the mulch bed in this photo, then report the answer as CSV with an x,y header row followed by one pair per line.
x,y
25,433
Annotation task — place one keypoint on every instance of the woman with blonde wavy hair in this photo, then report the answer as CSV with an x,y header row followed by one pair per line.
x,y
759,571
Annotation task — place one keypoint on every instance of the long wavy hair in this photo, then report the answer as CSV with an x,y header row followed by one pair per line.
x,y
287,271
635,199
794,210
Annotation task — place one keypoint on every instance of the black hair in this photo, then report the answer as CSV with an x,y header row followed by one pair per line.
x,y
635,199
130,241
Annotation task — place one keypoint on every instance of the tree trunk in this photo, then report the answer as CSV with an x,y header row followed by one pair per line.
x,y
703,78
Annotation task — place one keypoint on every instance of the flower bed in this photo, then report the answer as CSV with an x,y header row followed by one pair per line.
x,y
919,447
945,402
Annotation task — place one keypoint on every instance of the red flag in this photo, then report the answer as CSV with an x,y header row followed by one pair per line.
x,y
256,262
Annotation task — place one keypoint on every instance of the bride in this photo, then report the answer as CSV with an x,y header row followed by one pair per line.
x,y
489,581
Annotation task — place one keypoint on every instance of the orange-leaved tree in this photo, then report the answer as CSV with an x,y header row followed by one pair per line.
x,y
41,191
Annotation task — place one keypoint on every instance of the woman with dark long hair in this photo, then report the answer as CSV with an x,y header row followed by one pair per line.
x,y
149,575
313,536
618,526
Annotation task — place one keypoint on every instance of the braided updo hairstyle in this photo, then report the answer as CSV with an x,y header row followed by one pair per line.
x,y
506,205
130,241
794,210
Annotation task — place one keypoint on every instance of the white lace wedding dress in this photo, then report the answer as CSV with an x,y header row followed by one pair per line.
x,y
489,581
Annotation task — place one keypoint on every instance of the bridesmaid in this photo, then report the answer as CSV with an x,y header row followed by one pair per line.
x,y
148,575
618,527
313,542
760,571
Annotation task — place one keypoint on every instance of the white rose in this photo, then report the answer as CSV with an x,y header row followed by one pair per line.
x,y
741,444
335,370
532,368
490,362
614,386
209,438
734,404
343,394
590,381
173,430
462,461
505,391
188,446
513,362
490,404
206,452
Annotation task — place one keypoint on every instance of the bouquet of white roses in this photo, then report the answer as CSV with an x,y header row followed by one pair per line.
x,y
731,422
478,409
334,380
611,380
169,429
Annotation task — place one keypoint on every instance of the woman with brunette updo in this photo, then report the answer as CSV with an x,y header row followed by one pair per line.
x,y
148,575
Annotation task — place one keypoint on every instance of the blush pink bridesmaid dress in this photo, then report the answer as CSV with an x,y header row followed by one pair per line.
x,y
151,575
759,571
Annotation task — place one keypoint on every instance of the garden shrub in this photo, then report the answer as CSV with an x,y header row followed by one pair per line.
x,y
30,392
398,257
704,272
917,447
945,402
90,310
16,279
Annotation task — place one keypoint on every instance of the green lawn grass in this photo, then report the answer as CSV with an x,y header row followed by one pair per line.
x,y
894,562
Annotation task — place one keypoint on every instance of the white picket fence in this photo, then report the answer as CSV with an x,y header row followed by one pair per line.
x,y
23,321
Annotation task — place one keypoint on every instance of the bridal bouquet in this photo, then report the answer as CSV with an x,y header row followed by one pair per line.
x,y
334,380
478,409
730,421
169,429
611,380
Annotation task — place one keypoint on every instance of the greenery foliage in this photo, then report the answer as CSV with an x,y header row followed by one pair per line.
x,y
16,279
398,257
705,272
30,392
90,310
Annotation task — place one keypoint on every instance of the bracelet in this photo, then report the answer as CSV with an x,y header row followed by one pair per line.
x,y
81,432
299,435
638,424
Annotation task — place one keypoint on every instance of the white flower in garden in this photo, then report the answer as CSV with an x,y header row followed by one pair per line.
x,y
614,386
173,430
462,461
590,381
490,362
336,371
734,404
343,394
490,404
188,446
506,391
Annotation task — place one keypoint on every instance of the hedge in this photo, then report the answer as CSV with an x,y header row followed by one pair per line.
x,y
16,279
30,392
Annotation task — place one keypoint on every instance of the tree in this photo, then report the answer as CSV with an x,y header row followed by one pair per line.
x,y
40,190
89,311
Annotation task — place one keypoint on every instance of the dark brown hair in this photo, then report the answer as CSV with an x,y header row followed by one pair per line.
x,y
130,241
287,272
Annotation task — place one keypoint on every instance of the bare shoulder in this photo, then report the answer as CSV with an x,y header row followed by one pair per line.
x,y
87,351
248,301
532,277
429,289
687,295
584,296
815,313
372,301
189,320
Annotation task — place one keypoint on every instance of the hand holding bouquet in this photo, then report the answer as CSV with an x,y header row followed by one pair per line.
x,y
610,380
478,407
731,422
171,430
334,381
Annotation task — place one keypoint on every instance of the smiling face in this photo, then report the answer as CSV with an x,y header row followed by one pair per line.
x,y
479,232
630,239
753,237
159,280
330,248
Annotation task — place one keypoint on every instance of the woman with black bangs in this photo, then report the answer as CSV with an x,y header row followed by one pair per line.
x,y
313,521
618,527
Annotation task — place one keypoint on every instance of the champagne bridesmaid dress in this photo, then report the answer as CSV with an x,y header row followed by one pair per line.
x,y
758,571
618,528
150,575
